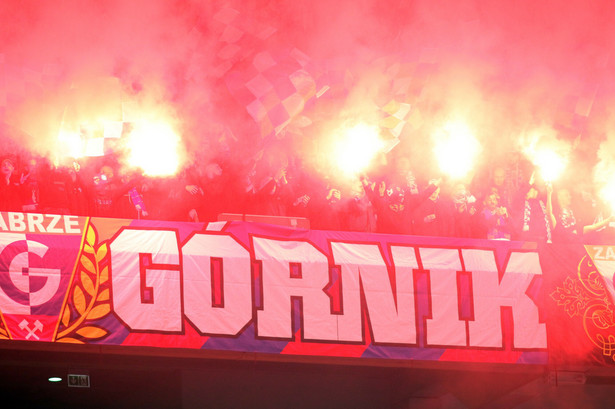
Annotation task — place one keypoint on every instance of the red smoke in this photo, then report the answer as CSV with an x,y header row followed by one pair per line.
x,y
507,67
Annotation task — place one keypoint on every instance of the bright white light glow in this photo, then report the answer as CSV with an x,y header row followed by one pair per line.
x,y
607,191
550,164
54,379
456,149
70,144
608,194
154,148
355,148
546,152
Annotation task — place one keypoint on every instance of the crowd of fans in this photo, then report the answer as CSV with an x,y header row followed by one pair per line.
x,y
499,204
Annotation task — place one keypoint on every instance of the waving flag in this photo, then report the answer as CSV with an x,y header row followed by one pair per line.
x,y
273,88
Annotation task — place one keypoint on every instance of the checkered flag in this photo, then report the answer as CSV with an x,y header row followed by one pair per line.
x,y
25,83
273,88
80,134
395,118
237,38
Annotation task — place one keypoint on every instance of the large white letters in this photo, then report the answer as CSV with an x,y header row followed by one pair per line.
x,y
391,321
444,327
217,290
236,284
279,285
490,295
147,297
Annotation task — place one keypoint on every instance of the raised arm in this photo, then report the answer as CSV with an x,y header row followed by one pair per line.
x,y
549,205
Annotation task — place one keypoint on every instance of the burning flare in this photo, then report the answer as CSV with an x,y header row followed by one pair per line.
x,y
550,164
604,178
607,193
456,148
355,148
547,153
70,144
154,147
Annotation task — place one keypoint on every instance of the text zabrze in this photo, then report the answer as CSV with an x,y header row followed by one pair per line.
x,y
39,223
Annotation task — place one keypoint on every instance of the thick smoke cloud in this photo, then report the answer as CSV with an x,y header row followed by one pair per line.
x,y
504,67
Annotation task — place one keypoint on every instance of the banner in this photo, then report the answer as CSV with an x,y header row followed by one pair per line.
x,y
249,287
580,294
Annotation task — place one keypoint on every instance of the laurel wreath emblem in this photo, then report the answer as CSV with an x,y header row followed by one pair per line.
x,y
88,299
4,334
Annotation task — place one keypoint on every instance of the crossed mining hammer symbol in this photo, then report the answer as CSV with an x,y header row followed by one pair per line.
x,y
31,332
